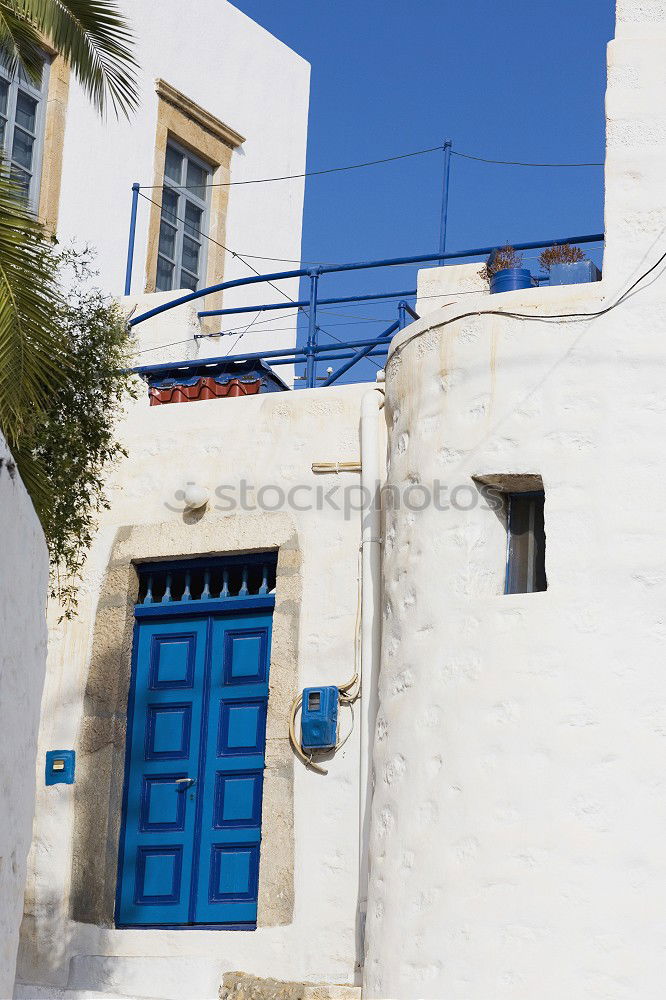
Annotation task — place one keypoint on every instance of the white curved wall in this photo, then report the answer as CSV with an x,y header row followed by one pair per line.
x,y
23,588
517,846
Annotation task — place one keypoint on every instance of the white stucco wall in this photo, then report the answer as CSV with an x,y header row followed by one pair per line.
x,y
517,846
23,590
266,439
237,71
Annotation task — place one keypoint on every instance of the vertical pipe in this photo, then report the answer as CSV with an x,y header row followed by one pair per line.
x,y
371,475
132,235
310,358
445,198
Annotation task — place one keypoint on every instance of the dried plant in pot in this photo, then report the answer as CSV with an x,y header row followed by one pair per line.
x,y
504,272
567,265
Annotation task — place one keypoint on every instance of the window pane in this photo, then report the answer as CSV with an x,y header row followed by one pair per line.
x,y
193,219
22,148
526,570
196,179
188,281
3,126
26,111
173,165
167,240
164,281
23,179
170,205
4,95
191,255
24,78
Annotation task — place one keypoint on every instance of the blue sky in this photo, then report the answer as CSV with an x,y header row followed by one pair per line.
x,y
518,80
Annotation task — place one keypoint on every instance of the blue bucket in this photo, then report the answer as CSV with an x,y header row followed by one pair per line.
x,y
510,279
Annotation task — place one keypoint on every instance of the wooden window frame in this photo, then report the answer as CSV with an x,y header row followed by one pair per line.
x,y
183,122
179,224
526,559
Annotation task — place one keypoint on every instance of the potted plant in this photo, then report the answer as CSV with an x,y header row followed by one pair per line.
x,y
567,265
504,272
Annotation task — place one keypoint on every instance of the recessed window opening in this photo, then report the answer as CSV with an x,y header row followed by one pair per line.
x,y
526,543
22,111
184,220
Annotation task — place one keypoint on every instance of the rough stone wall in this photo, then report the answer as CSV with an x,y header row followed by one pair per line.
x,y
517,846
23,591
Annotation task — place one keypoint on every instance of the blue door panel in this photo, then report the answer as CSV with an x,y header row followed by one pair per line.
x,y
164,739
228,874
190,849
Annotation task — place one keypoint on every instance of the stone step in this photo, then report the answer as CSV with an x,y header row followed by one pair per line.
x,y
24,991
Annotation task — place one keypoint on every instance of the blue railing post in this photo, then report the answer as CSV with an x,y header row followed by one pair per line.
x,y
132,235
402,315
448,145
311,345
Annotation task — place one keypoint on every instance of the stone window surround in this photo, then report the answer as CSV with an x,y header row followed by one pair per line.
x,y
198,131
101,744
57,95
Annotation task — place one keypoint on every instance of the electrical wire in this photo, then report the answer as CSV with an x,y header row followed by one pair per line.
x,y
251,267
367,163
307,173
349,693
521,163
567,317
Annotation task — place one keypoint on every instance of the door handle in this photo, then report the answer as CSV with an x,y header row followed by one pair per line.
x,y
184,783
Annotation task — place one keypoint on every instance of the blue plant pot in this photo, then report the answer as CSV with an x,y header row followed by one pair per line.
x,y
510,279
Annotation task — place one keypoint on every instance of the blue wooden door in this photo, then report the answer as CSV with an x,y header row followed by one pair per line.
x,y
195,758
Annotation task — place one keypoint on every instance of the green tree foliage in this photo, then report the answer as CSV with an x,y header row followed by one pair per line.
x,y
60,353
71,439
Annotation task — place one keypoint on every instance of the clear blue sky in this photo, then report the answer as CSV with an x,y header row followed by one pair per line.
x,y
516,80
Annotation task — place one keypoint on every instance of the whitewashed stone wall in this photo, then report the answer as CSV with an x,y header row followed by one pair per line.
x,y
519,819
270,439
23,591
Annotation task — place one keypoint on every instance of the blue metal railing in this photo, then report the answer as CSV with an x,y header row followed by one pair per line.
x,y
313,352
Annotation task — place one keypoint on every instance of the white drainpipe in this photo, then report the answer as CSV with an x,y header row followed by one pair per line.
x,y
371,466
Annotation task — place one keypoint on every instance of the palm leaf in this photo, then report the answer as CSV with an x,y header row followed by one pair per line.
x,y
31,353
95,39
19,42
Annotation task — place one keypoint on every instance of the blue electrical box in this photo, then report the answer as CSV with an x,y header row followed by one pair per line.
x,y
60,767
319,718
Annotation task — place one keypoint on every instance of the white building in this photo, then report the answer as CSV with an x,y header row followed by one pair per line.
x,y
516,842
219,97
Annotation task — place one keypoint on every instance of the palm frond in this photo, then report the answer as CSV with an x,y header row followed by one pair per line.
x,y
35,479
31,354
96,40
19,41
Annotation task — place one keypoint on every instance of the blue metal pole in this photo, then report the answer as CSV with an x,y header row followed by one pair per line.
x,y
132,236
362,353
445,198
304,303
402,315
287,352
356,266
376,352
311,345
